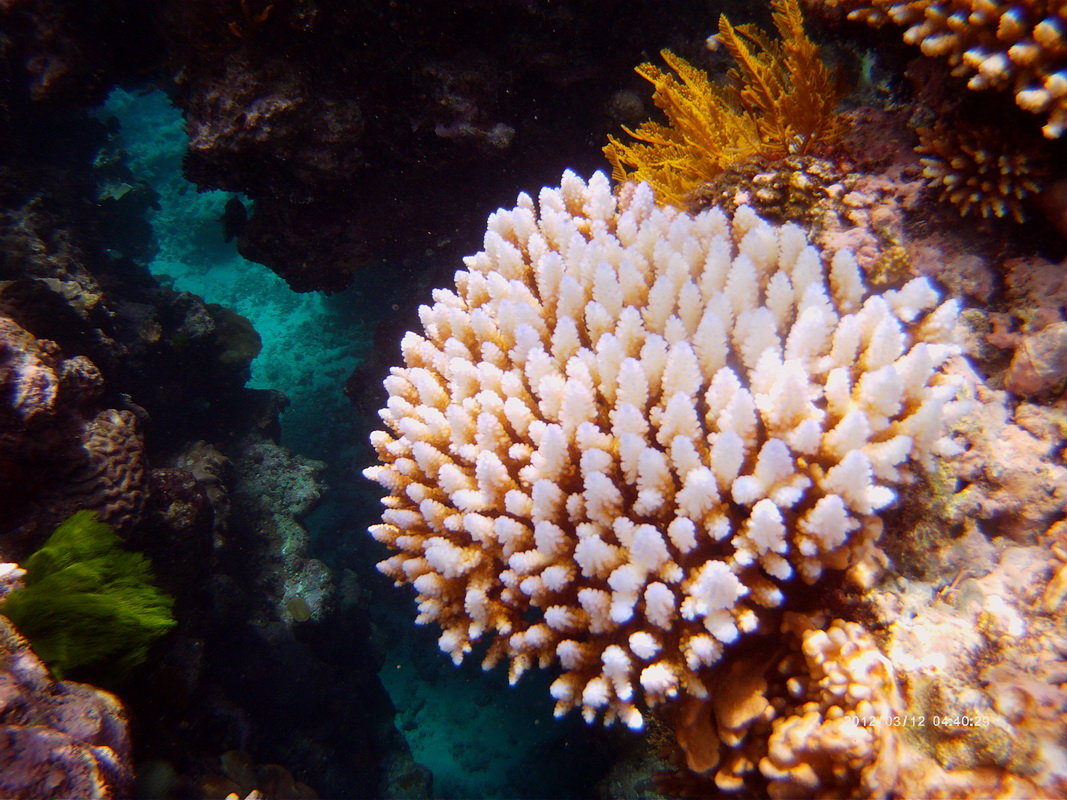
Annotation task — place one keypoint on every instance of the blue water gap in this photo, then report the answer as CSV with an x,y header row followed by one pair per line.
x,y
479,737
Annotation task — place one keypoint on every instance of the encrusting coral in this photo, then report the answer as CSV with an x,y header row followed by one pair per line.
x,y
629,427
996,45
781,101
836,738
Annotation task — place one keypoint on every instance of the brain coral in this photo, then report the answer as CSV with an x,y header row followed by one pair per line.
x,y
629,430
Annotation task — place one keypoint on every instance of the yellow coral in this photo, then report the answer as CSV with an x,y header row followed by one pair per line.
x,y
781,100
707,132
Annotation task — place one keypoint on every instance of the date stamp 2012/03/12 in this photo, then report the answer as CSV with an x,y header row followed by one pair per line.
x,y
921,721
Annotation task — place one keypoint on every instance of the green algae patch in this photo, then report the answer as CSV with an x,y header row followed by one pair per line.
x,y
87,602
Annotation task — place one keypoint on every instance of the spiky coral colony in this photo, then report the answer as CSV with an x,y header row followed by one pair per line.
x,y
629,430
980,170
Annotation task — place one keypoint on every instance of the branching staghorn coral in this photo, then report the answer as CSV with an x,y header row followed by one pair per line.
x,y
628,428
995,44
781,101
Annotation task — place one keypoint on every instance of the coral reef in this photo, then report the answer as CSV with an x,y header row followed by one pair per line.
x,y
1016,46
781,99
785,86
629,428
350,128
57,738
73,58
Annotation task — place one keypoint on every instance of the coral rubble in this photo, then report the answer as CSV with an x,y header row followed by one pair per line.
x,y
629,428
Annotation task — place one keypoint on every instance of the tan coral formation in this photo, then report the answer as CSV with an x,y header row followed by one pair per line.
x,y
839,740
816,719
1019,46
628,427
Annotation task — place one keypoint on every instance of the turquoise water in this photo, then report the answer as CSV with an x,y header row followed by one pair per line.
x,y
310,342
478,736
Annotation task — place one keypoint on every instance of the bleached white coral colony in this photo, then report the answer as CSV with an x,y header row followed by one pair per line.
x,y
630,429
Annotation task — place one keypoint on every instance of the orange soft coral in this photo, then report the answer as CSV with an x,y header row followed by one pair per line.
x,y
782,100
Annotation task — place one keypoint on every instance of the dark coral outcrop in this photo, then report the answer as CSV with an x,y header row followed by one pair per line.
x,y
389,129
62,454
122,395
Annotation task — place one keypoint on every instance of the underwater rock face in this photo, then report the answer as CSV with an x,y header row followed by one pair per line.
x,y
57,738
1040,361
275,490
351,127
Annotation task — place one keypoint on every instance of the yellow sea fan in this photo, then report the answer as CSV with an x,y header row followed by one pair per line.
x,y
784,84
708,130
781,101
